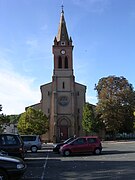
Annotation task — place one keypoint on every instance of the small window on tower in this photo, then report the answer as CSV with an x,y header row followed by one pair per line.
x,y
59,62
63,85
66,62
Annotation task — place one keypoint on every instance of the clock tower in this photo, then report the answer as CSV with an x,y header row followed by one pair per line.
x,y
65,110
62,100
62,49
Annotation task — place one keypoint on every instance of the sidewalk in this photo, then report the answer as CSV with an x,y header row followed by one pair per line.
x,y
119,141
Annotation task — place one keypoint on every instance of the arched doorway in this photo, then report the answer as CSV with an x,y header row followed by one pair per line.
x,y
63,132
63,128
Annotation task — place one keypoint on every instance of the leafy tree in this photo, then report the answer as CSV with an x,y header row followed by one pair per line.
x,y
88,118
0,107
13,118
116,102
3,121
33,122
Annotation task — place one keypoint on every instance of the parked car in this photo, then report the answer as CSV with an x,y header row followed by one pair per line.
x,y
56,147
32,142
82,145
11,167
12,144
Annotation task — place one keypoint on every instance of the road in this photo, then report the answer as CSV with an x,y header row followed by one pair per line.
x,y
117,162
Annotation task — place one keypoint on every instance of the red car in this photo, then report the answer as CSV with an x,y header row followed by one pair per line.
x,y
85,144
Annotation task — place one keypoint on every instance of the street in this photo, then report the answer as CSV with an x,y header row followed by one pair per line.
x,y
117,162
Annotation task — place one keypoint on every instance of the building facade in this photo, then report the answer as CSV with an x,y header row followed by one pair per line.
x,y
62,100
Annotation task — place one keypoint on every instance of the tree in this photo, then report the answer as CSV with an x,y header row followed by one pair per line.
x,y
33,122
3,121
88,118
116,102
13,118
0,107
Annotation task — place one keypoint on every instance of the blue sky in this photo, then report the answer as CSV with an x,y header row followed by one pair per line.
x,y
103,34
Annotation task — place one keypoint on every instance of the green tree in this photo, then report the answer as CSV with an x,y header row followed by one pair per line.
x,y
116,102
13,118
33,122
0,107
88,120
3,121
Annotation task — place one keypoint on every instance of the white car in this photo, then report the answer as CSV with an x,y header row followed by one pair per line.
x,y
32,142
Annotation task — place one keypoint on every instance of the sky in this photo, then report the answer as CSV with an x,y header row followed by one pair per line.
x,y
103,34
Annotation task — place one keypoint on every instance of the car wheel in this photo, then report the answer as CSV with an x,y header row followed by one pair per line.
x,y
67,152
3,175
34,149
97,151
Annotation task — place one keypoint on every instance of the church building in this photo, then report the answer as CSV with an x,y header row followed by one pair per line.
x,y
62,100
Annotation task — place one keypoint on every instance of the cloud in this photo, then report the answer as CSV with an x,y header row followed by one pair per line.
x,y
91,99
16,91
32,43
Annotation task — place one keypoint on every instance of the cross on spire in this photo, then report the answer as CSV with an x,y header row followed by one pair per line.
x,y
62,30
62,7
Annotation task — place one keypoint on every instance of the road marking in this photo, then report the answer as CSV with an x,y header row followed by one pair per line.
x,y
42,177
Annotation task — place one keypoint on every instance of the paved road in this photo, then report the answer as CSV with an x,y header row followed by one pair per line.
x,y
117,162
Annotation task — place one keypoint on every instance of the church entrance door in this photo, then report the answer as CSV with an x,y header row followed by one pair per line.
x,y
63,132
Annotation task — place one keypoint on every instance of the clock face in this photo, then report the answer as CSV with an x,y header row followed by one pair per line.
x,y
63,51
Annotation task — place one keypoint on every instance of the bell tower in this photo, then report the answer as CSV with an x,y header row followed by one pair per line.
x,y
62,99
63,85
62,49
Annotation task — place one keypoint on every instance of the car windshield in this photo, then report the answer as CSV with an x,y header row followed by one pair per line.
x,y
68,140
28,138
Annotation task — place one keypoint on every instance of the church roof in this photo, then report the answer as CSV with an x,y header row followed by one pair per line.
x,y
62,30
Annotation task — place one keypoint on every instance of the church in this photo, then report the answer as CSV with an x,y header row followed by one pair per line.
x,y
62,100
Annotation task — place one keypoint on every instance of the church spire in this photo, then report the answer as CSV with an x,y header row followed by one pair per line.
x,y
62,35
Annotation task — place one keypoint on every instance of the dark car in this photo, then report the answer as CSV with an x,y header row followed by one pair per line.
x,y
11,167
12,144
85,144
56,147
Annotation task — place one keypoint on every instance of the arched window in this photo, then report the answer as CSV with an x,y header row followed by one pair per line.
x,y
59,62
66,62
